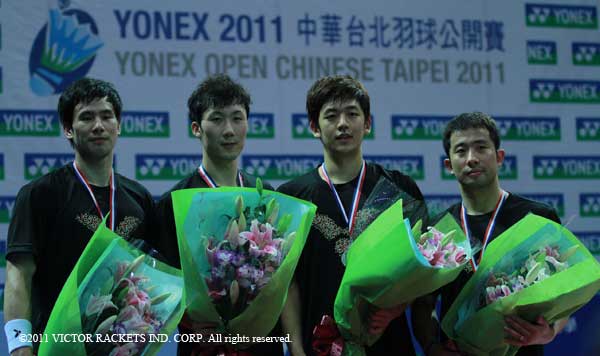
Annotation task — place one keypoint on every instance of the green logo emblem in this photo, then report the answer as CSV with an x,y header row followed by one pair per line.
x,y
145,124
29,123
566,167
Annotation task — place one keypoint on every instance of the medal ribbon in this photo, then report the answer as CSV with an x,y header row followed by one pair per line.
x,y
355,199
210,182
112,206
488,230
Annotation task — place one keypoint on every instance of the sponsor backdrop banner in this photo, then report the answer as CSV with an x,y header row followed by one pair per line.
x,y
533,65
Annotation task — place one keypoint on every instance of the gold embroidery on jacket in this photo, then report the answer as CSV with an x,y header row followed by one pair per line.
x,y
339,235
124,229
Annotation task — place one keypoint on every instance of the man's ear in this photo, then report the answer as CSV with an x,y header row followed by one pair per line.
x,y
368,124
315,129
196,129
448,166
68,132
500,154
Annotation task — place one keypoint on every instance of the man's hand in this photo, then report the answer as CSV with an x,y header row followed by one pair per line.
x,y
520,332
380,318
290,320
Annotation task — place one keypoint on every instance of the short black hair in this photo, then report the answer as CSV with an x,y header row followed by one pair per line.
x,y
471,120
216,91
334,89
85,91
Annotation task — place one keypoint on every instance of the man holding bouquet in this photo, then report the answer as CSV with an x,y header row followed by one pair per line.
x,y
218,112
55,215
339,115
472,144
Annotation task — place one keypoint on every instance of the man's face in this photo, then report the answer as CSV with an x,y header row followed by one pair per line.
x,y
473,158
223,132
94,130
342,126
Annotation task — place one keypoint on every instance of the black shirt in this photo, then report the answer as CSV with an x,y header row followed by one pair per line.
x,y
514,209
54,219
320,269
167,246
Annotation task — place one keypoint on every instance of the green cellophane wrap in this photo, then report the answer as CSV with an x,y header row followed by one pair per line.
x,y
479,330
385,268
91,274
203,212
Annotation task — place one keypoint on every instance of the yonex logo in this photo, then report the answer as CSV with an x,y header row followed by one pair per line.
x,y
279,167
541,52
38,164
543,90
301,126
564,91
258,166
508,169
418,127
504,127
409,165
261,125
588,129
586,54
405,127
145,124
165,167
29,123
589,205
546,167
537,14
566,16
152,166
529,128
566,167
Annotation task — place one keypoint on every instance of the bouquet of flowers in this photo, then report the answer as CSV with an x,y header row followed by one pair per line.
x,y
246,257
238,256
391,263
536,267
118,297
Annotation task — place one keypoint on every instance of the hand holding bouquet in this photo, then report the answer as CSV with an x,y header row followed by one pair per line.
x,y
535,268
391,263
